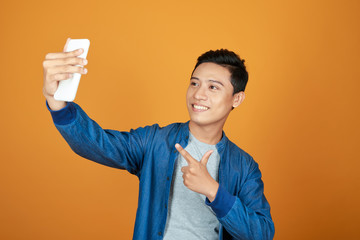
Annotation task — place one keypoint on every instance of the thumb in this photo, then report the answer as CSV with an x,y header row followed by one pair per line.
x,y
204,160
67,42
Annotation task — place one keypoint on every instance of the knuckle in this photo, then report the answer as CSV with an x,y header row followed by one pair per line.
x,y
63,76
49,78
67,68
66,55
56,77
79,69
65,61
73,53
49,70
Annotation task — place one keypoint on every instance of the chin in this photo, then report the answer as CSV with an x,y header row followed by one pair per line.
x,y
207,120
200,121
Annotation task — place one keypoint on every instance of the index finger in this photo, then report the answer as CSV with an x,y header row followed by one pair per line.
x,y
58,55
185,154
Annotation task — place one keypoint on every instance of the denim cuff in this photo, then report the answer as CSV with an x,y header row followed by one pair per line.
x,y
63,116
222,203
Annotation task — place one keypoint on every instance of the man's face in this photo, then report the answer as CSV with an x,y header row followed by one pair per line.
x,y
210,96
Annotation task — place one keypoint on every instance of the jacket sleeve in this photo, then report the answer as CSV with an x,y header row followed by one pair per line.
x,y
246,216
123,150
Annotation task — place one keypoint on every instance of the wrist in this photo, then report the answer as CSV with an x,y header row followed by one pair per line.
x,y
54,104
211,195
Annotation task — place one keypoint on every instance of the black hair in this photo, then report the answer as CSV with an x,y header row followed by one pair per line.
x,y
230,60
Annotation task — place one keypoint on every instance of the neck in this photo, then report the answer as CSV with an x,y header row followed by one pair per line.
x,y
206,133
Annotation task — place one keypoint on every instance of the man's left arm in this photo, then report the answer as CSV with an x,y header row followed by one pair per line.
x,y
245,216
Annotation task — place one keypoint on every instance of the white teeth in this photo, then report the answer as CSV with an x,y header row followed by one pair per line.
x,y
200,107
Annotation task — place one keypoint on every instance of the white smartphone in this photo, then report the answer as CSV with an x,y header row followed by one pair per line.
x,y
67,88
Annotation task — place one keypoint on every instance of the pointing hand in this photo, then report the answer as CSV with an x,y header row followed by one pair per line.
x,y
196,176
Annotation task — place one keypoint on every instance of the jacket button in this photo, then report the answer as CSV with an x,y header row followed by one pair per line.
x,y
159,233
168,178
165,206
174,151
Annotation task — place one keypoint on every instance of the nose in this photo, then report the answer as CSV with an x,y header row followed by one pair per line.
x,y
200,93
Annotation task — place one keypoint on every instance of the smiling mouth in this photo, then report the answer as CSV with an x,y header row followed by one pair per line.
x,y
198,107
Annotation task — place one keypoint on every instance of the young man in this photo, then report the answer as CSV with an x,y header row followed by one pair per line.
x,y
211,190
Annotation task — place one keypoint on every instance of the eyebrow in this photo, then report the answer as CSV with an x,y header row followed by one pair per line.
x,y
210,80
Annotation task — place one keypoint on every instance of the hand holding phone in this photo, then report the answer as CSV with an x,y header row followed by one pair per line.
x,y
67,89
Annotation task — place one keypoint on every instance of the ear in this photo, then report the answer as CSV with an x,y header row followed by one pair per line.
x,y
238,98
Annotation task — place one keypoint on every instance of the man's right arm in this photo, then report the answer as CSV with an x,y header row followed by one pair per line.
x,y
112,148
123,150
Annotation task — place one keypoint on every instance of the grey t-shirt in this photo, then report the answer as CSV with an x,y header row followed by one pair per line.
x,y
188,216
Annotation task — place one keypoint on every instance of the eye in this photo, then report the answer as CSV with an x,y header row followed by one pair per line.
x,y
212,87
194,84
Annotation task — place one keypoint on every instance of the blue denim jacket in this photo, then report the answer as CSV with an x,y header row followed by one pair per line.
x,y
149,153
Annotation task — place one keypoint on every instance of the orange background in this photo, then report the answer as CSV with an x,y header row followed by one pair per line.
x,y
299,120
